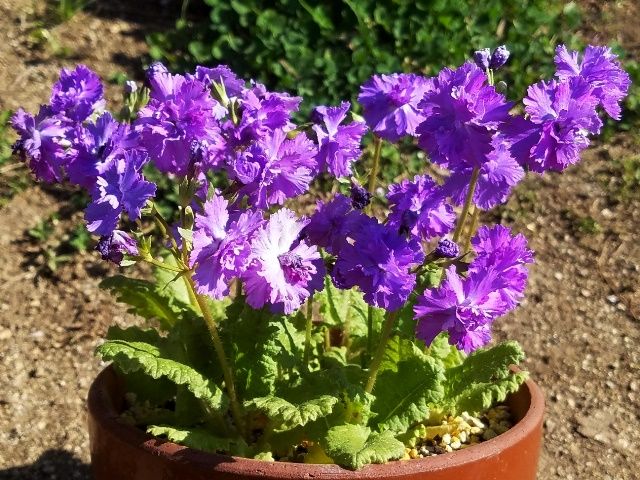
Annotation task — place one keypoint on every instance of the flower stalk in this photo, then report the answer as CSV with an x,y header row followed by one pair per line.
x,y
387,328
467,204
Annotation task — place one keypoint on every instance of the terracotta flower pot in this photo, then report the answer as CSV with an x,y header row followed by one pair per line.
x,y
123,452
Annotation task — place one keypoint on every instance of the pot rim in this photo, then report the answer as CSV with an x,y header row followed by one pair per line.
x,y
102,410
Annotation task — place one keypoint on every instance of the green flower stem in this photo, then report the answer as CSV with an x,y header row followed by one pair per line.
x,y
160,264
373,175
307,333
467,204
369,333
236,410
387,328
475,217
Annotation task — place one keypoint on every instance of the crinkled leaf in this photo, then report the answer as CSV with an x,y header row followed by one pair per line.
x,y
408,383
449,355
169,285
285,415
133,356
200,439
354,446
483,379
143,299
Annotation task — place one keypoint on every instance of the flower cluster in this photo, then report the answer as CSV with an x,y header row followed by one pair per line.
x,y
194,125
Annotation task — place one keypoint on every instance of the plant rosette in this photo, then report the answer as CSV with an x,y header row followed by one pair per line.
x,y
359,335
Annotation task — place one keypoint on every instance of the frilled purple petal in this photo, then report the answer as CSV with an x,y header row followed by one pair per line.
x,y
498,175
430,216
275,169
464,308
221,74
43,143
600,68
77,94
390,104
505,255
179,112
113,247
284,270
561,115
221,246
120,188
379,262
339,145
332,224
462,113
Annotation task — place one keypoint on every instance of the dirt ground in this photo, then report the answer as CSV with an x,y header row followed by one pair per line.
x,y
579,324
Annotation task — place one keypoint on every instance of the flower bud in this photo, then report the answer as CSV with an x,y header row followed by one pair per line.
x,y
499,57
447,249
481,57
360,197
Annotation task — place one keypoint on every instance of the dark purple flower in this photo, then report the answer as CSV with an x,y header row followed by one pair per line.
x,y
482,57
390,104
113,247
600,68
499,57
462,113
275,168
120,188
221,246
179,111
97,145
221,75
420,207
43,143
360,196
339,145
505,254
464,308
284,270
447,249
561,115
379,261
77,94
498,175
332,223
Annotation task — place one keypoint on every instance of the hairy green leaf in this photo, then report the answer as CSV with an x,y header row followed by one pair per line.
x,y
408,384
143,299
200,439
285,415
354,446
133,356
483,379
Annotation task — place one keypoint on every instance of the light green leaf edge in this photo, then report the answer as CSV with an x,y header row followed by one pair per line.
x,y
354,446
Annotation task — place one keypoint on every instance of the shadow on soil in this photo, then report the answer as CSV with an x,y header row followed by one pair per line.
x,y
52,464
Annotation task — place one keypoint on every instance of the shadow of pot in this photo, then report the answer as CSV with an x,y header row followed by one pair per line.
x,y
123,452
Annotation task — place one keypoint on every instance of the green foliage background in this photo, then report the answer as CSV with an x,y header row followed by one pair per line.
x,y
325,50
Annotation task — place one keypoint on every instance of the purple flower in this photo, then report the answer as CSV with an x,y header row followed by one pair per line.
x,y
221,245
332,223
464,308
447,249
77,94
130,87
284,270
461,115
507,256
120,188
482,57
360,196
379,261
179,111
339,145
222,75
275,168
98,145
113,247
499,57
561,115
419,207
43,143
601,70
262,112
498,175
390,104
